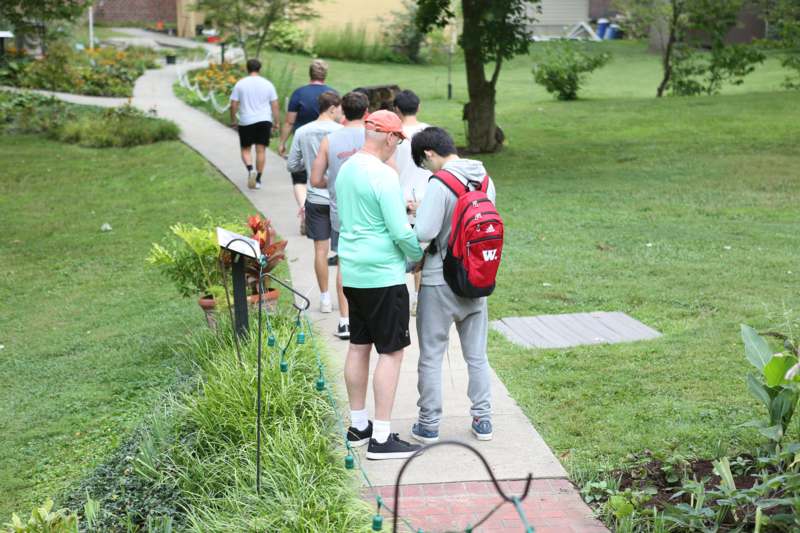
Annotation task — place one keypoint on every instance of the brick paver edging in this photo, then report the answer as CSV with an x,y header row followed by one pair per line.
x,y
552,506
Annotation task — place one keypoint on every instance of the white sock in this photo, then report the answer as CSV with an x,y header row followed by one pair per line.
x,y
359,419
344,321
325,297
380,430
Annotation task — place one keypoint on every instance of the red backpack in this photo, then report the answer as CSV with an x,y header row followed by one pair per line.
x,y
476,239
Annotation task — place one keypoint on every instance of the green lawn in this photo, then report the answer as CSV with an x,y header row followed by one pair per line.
x,y
86,326
584,187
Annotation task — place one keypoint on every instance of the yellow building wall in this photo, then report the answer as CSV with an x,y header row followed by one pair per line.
x,y
337,13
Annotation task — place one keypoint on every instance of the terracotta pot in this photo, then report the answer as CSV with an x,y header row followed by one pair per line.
x,y
208,305
269,300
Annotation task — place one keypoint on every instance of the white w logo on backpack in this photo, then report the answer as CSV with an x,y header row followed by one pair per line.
x,y
490,255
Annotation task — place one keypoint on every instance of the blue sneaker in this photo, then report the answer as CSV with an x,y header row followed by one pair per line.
x,y
482,428
425,436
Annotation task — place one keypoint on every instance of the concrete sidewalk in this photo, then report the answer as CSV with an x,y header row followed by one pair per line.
x,y
517,448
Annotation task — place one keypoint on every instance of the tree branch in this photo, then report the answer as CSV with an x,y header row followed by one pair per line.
x,y
496,73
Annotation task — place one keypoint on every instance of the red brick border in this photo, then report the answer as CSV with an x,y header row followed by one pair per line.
x,y
552,506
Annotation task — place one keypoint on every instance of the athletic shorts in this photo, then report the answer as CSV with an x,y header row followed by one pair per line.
x,y
299,178
334,240
379,316
258,133
318,221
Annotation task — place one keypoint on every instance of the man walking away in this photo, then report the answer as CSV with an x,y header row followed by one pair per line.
x,y
255,101
413,180
305,145
438,307
374,243
335,149
303,108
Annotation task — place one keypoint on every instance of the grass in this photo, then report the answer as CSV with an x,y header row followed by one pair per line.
x,y
87,329
204,443
584,187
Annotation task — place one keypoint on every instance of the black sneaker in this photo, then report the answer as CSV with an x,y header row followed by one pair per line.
x,y
333,260
393,448
343,331
358,438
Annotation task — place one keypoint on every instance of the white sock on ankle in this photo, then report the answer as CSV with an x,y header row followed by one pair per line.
x,y
359,419
380,430
325,297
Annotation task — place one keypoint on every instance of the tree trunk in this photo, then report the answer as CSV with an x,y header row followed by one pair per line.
x,y
479,112
667,60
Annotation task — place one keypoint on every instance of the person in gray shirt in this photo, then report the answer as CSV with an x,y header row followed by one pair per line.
x,y
305,146
334,150
438,307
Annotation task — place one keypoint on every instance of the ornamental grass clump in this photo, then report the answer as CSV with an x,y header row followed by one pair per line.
x,y
211,455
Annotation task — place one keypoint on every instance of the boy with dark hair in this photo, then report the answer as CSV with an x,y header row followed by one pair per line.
x,y
255,101
438,306
334,150
305,146
413,180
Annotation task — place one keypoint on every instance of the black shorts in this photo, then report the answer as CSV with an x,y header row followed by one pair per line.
x,y
318,221
380,317
299,178
258,133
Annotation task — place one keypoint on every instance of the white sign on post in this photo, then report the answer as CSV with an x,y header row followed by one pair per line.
x,y
238,243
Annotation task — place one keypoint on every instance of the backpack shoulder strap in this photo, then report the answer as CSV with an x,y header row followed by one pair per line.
x,y
485,184
451,182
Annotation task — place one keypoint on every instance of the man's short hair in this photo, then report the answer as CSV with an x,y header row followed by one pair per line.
x,y
354,105
407,102
253,65
431,138
327,100
318,70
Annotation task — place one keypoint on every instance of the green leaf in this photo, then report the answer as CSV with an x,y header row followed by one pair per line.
x,y
774,433
621,506
755,347
775,370
758,390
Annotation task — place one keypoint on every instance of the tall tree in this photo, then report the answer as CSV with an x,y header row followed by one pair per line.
x,y
250,21
695,55
35,17
493,31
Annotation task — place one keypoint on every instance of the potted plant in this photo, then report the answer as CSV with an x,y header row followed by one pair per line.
x,y
189,257
262,231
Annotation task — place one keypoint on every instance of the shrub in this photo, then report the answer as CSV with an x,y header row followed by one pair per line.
x,y
564,68
87,126
287,37
98,72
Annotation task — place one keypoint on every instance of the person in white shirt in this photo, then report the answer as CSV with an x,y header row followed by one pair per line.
x,y
413,180
255,101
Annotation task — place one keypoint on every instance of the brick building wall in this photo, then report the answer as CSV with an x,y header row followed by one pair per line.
x,y
135,10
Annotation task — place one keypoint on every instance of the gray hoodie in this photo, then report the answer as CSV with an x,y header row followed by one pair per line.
x,y
435,215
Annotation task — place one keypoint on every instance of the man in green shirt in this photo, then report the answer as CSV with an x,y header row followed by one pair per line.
x,y
375,240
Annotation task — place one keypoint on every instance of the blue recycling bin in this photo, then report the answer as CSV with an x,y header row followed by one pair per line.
x,y
602,27
612,32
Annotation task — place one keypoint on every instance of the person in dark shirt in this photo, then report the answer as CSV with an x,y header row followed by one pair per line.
x,y
303,108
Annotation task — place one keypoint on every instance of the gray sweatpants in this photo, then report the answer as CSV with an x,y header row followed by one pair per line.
x,y
437,308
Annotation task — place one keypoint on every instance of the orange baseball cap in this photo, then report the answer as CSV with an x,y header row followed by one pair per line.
x,y
385,122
